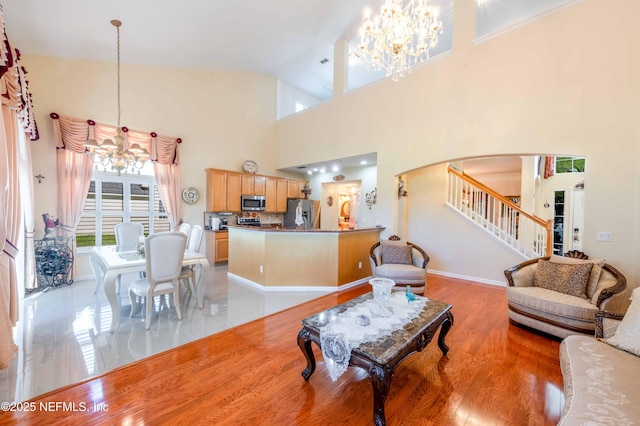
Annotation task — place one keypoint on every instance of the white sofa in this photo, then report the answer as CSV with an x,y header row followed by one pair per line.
x,y
600,380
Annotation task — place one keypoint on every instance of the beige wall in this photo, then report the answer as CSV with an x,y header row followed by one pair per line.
x,y
223,118
550,86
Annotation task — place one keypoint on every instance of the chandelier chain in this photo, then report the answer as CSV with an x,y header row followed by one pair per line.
x,y
118,71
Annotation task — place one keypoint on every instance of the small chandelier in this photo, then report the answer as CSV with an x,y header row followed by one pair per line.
x,y
113,153
400,37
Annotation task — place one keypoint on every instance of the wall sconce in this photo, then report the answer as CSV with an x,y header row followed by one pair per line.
x,y
371,198
401,190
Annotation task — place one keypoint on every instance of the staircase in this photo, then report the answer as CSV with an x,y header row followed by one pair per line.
x,y
527,235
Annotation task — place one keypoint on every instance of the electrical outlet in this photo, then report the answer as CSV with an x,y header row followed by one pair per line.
x,y
605,236
261,269
359,265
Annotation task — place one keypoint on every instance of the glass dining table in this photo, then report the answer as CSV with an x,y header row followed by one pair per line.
x,y
109,262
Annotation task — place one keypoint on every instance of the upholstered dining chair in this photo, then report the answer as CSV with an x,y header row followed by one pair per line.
x,y
188,273
401,261
185,228
128,234
164,253
127,237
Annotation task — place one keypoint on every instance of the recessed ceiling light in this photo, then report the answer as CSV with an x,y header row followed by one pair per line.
x,y
322,170
315,169
310,172
363,162
335,168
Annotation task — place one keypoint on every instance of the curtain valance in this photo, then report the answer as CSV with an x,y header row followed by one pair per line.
x,y
71,133
14,87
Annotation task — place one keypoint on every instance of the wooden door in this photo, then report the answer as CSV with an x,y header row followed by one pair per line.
x,y
259,185
222,247
293,189
247,184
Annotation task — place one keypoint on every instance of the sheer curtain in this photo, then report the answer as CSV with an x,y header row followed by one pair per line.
x,y
16,118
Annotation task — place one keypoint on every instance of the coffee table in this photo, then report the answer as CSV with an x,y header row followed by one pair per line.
x,y
381,357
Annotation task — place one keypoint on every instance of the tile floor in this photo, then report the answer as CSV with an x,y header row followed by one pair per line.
x,y
63,334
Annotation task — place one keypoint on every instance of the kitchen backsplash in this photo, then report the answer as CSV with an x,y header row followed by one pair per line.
x,y
265,218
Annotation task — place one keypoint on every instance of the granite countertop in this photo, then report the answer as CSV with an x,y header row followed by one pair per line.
x,y
271,228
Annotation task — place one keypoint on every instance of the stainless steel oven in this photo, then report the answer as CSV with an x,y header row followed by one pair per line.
x,y
253,203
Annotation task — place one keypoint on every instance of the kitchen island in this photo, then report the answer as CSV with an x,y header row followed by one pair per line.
x,y
316,259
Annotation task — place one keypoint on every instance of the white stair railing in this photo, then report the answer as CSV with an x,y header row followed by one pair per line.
x,y
528,235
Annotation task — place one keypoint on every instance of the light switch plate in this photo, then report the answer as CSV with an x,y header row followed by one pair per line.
x,y
604,236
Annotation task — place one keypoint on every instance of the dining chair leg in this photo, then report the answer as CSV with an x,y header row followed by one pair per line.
x,y
176,299
149,302
134,305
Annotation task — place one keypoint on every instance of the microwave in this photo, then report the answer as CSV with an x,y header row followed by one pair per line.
x,y
253,203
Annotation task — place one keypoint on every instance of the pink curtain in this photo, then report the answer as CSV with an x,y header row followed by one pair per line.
x,y
71,133
549,163
16,118
168,181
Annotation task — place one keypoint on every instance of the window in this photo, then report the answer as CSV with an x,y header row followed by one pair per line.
x,y
116,199
558,223
570,164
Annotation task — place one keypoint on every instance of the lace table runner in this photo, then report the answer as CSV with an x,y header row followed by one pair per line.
x,y
344,333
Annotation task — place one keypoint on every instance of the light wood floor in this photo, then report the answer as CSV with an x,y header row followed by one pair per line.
x,y
494,374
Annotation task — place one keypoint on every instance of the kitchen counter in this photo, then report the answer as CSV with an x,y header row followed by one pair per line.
x,y
300,259
278,228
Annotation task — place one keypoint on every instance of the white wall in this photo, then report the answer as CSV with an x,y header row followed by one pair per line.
x,y
538,88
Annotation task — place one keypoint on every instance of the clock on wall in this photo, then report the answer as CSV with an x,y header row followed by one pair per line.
x,y
250,166
190,195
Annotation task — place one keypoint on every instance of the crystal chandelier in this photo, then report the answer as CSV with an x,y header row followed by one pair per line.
x,y
400,37
113,153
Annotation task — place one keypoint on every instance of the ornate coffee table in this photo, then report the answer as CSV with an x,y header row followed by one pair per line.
x,y
380,357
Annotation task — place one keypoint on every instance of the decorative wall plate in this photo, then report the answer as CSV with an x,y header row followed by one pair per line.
x,y
190,195
338,178
250,166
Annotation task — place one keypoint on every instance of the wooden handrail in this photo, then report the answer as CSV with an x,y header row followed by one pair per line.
x,y
547,224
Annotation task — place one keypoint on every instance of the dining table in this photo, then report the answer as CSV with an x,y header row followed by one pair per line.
x,y
110,262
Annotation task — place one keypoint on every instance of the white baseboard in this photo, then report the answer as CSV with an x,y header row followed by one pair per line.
x,y
328,289
467,278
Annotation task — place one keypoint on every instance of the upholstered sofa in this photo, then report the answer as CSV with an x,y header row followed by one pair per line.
x,y
546,309
401,261
600,380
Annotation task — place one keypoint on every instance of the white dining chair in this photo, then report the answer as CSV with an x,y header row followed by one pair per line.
x,y
185,228
127,237
164,253
188,274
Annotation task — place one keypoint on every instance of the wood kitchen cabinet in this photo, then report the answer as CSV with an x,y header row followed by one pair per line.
x,y
293,189
253,184
216,197
270,194
225,188
217,246
281,195
233,192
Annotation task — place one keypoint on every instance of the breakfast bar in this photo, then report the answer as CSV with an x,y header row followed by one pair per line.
x,y
318,259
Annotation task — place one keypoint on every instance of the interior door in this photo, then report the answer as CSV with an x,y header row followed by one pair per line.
x,y
577,219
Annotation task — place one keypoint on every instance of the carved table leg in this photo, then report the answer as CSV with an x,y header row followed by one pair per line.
x,y
305,346
445,327
381,381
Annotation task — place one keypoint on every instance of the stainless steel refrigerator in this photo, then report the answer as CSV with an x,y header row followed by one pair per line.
x,y
310,213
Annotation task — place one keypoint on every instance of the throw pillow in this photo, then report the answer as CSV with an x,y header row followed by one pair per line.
x,y
396,254
594,276
564,278
627,335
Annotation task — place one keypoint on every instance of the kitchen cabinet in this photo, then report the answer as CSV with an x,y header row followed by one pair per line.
x,y
253,184
216,197
281,195
225,188
233,192
293,189
270,194
217,246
